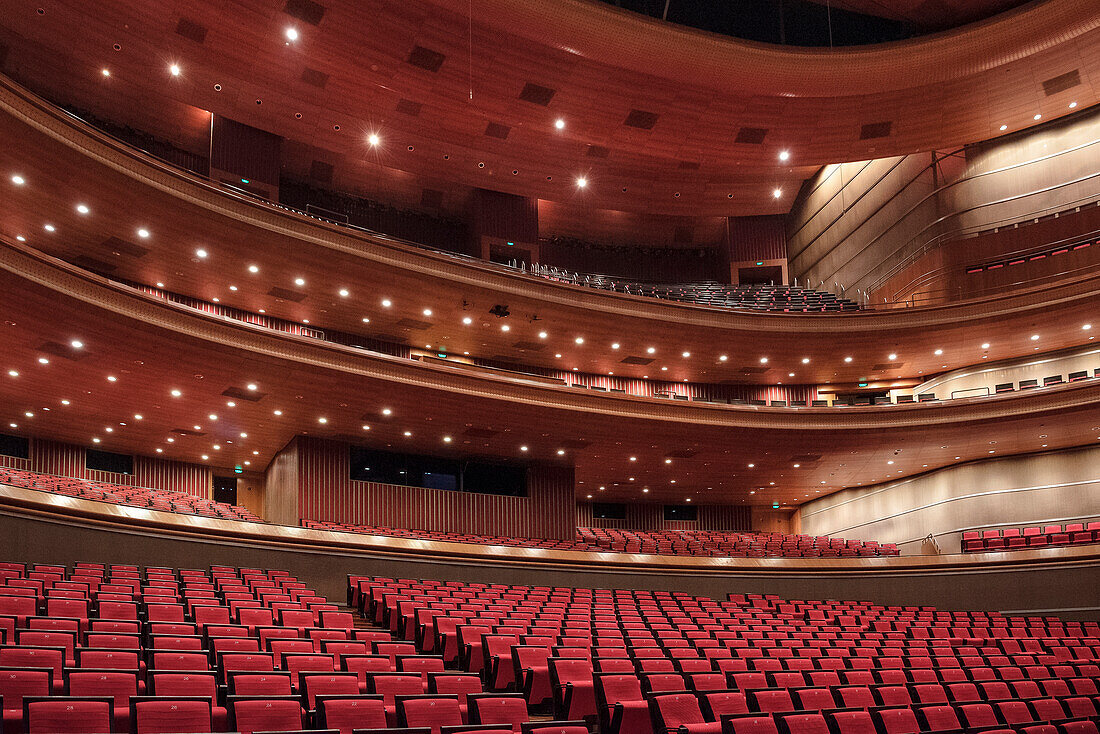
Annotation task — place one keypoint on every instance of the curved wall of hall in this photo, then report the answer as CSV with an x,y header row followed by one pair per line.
x,y
43,528
859,224
1054,487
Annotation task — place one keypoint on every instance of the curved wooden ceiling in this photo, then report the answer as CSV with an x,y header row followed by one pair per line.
x,y
666,104
64,165
718,453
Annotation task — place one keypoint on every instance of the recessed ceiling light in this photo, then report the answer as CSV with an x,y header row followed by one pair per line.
x,y
582,182
18,180
763,360
1004,127
777,193
505,327
847,359
50,228
892,357
13,373
751,465
645,490
559,124
96,440
161,285
386,303
174,70
446,439
197,428
685,355
579,340
112,378
233,288
557,356
105,72
21,238
1037,117
205,457
650,350
143,233
366,428
43,360
322,420
82,208
615,345
784,155
664,369
251,386
561,452
253,269
985,345
299,281
790,374
938,352
408,434
366,320
1034,337
522,448
387,411
1086,327
160,450
344,293
277,412
292,34
373,139
176,393
543,335
797,465
633,458
723,358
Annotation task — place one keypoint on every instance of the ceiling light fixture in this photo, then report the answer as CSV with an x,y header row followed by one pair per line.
x,y
777,193
784,155
559,124
386,303
82,208
292,34
143,233
373,139
253,269
174,70
582,182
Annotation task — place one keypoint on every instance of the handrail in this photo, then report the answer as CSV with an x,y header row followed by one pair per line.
x,y
897,299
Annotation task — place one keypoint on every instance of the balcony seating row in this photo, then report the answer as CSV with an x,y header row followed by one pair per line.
x,y
732,544
1031,537
120,494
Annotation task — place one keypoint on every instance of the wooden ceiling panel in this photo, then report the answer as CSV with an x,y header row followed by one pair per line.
x,y
125,193
939,91
719,453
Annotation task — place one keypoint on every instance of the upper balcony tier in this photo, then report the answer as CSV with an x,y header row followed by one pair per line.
x,y
147,222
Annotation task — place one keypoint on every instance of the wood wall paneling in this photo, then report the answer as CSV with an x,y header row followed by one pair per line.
x,y
327,493
67,460
646,516
1039,489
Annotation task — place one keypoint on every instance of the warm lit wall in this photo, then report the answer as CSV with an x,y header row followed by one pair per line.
x,y
983,379
641,516
66,460
1056,487
858,224
281,487
326,492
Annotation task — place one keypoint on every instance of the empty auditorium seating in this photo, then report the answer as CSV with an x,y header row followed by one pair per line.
x,y
1044,536
752,545
671,542
614,659
151,499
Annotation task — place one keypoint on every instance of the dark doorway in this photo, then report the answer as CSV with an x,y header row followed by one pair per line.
x,y
762,275
225,490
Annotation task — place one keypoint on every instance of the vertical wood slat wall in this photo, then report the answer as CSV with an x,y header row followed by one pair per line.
x,y
651,517
66,460
327,493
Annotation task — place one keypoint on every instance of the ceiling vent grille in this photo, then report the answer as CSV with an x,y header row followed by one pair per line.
x,y
498,131
751,135
314,78
306,11
426,59
408,107
641,119
536,94
191,30
285,294
1062,82
873,130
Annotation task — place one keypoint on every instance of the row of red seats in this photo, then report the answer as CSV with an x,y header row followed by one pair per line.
x,y
1031,537
389,532
603,656
160,651
714,543
152,499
